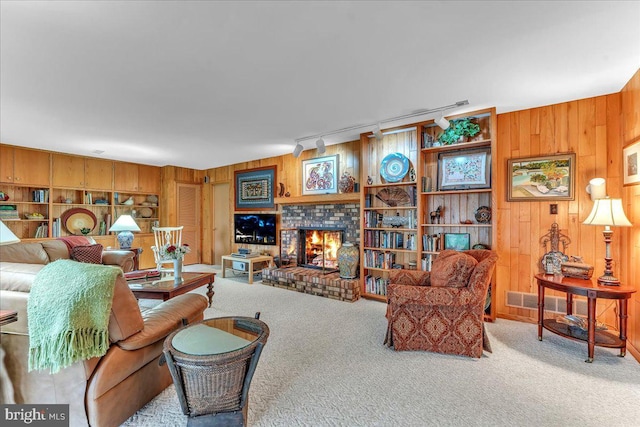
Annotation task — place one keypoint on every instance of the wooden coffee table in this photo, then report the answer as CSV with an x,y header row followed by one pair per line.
x,y
167,288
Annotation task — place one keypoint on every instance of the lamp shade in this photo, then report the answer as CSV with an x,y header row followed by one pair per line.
x,y
608,212
298,150
6,236
125,223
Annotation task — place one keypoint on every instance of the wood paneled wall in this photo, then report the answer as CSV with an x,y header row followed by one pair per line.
x,y
288,172
591,129
630,100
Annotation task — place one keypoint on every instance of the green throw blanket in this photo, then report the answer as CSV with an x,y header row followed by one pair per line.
x,y
68,313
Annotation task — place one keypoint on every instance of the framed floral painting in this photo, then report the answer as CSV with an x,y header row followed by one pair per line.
x,y
320,175
464,170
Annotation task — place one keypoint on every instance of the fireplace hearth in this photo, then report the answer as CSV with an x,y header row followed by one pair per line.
x,y
318,247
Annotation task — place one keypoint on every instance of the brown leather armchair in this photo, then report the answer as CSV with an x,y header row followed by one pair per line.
x,y
442,310
101,391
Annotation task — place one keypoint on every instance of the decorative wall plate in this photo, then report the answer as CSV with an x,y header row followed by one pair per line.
x,y
78,218
483,215
146,212
394,167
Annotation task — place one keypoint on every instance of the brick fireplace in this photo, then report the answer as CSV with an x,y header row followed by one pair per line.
x,y
345,217
318,247
295,223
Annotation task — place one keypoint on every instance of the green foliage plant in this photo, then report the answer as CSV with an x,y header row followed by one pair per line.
x,y
457,129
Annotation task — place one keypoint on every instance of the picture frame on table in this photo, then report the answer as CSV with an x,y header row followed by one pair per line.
x,y
551,177
631,164
255,189
320,175
464,169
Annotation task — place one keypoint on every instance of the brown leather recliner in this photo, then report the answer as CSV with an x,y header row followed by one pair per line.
x,y
102,391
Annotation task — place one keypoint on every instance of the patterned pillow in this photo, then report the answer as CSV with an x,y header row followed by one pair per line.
x,y
91,254
452,269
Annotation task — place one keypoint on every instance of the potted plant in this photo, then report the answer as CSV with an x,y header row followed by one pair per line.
x,y
458,129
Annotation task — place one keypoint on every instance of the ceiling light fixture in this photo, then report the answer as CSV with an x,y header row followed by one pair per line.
x,y
377,132
442,122
299,148
320,145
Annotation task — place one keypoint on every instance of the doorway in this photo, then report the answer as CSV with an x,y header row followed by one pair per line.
x,y
189,217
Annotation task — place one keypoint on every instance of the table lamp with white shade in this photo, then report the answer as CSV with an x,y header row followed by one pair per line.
x,y
124,225
6,236
608,212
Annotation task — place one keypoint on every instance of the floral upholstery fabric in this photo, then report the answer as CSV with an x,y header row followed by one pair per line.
x,y
440,319
410,277
452,269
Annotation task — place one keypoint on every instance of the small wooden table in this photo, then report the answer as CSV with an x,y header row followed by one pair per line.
x,y
167,288
249,261
592,291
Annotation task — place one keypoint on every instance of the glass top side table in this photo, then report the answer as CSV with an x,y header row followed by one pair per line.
x,y
212,363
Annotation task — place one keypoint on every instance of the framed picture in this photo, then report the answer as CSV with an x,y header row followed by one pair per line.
x,y
541,178
457,241
320,175
464,170
255,188
631,158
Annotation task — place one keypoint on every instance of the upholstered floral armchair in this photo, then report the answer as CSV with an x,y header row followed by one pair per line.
x,y
442,310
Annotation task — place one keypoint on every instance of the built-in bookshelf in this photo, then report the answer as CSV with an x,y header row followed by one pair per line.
x,y
389,223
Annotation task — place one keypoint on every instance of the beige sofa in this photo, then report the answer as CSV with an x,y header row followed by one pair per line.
x,y
102,391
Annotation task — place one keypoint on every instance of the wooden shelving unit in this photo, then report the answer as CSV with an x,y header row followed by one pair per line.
x,y
457,206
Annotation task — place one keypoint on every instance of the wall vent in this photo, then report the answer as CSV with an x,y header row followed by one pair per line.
x,y
551,303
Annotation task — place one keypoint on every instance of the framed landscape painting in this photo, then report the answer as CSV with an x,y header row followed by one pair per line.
x,y
320,175
255,188
541,178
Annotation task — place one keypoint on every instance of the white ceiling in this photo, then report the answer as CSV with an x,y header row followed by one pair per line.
x,y
204,84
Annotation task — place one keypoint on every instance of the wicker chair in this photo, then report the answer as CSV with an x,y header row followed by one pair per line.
x,y
442,310
213,389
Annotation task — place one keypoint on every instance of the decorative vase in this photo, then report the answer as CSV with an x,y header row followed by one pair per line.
x,y
348,257
177,269
346,183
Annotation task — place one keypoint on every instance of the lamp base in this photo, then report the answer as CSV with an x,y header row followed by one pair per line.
x,y
125,239
608,280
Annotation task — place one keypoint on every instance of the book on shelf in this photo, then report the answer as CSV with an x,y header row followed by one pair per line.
x,y
42,231
107,222
40,196
375,285
55,228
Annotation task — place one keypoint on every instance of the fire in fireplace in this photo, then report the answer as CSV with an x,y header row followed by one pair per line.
x,y
318,247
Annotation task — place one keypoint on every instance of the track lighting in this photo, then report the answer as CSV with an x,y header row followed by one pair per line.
x,y
442,122
377,132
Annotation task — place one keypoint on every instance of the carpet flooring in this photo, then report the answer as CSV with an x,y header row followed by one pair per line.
x,y
325,365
